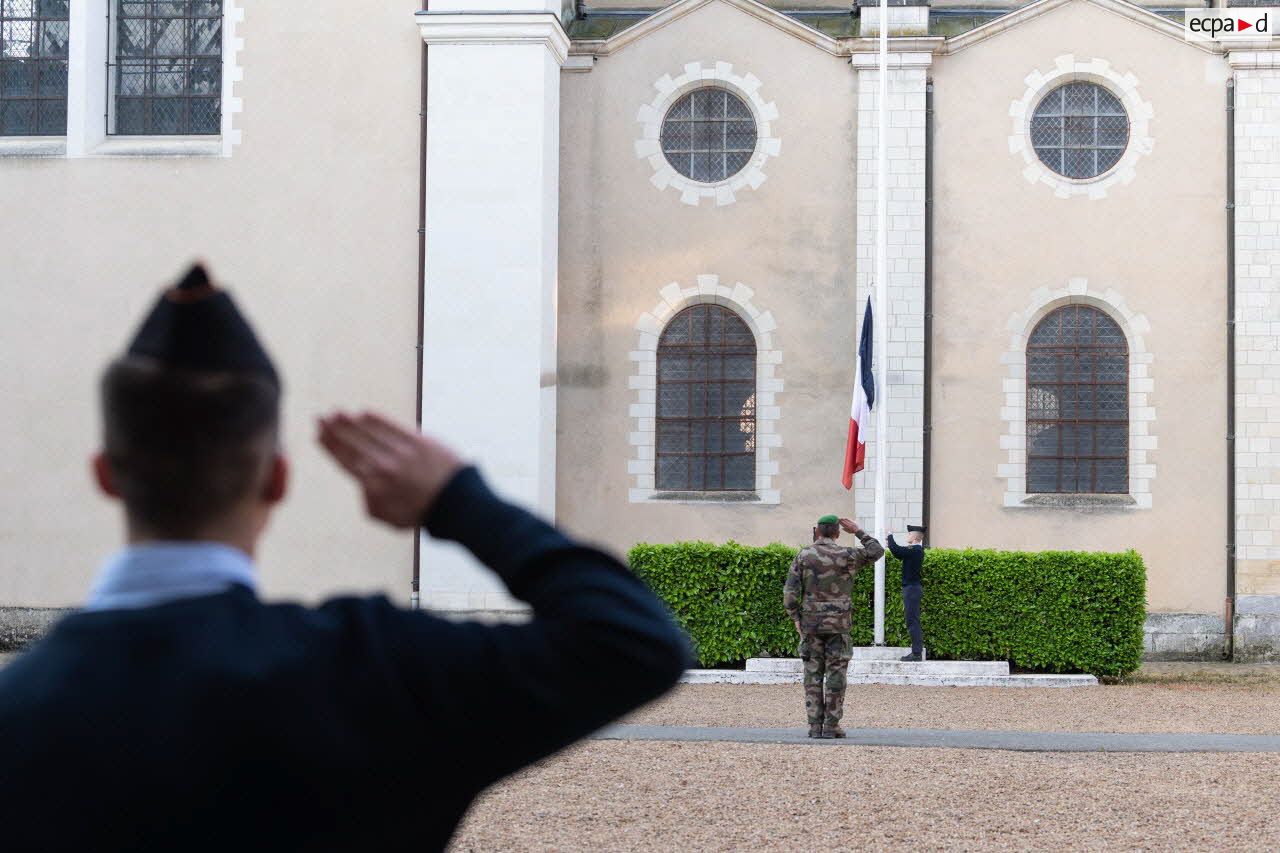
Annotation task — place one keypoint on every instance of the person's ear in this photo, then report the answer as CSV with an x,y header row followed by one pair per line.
x,y
103,476
277,484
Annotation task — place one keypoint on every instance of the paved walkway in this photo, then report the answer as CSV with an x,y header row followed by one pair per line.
x,y
960,739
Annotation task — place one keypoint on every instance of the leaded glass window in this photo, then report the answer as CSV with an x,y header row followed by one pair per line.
x,y
1077,404
709,135
167,67
1080,130
33,67
706,402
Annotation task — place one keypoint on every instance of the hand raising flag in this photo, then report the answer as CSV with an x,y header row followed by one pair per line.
x,y
864,397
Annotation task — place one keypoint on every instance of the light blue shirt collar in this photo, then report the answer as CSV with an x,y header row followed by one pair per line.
x,y
159,572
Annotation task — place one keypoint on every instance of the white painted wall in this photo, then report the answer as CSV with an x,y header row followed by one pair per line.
x,y
489,358
312,226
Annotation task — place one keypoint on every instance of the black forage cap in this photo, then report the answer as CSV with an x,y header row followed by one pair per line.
x,y
914,528
196,326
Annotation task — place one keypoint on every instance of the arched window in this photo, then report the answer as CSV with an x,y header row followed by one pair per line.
x,y
706,402
1077,403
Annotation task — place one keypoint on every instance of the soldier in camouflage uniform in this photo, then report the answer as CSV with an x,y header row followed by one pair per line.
x,y
817,598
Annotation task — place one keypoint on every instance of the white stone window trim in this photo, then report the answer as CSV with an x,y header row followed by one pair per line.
x,y
87,98
644,381
670,89
1068,69
1142,416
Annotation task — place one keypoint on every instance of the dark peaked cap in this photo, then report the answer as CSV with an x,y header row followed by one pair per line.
x,y
914,528
196,326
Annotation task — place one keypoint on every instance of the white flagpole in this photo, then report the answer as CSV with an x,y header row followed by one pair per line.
x,y
882,320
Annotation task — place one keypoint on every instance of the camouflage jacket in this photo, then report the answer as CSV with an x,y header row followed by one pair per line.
x,y
820,582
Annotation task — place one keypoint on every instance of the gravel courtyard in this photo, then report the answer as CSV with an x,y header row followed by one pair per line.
x,y
654,796
1173,706
647,796
669,796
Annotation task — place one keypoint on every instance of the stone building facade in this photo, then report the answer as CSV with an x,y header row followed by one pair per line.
x,y
649,331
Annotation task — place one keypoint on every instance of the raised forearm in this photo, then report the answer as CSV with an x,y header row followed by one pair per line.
x,y
871,547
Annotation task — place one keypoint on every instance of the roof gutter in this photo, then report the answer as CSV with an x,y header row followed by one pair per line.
x,y
415,601
1228,624
927,435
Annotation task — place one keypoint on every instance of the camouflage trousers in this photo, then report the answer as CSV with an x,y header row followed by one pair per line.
x,y
826,668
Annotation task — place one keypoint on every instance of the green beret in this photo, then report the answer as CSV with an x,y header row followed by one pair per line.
x,y
829,519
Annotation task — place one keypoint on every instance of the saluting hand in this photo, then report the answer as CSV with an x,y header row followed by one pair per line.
x,y
850,526
401,471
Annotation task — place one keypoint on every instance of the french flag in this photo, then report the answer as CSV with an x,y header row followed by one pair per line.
x,y
864,397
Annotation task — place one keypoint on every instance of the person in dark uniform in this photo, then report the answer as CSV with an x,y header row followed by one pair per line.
x,y
177,711
912,557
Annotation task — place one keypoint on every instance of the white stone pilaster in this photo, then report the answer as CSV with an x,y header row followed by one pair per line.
x,y
489,357
1257,318
905,188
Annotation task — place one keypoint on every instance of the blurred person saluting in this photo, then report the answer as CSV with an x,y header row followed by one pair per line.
x,y
177,711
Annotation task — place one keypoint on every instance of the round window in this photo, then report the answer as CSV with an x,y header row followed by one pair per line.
x,y
1080,130
708,135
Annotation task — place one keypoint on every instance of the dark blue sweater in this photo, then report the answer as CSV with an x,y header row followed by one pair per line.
x,y
224,723
912,557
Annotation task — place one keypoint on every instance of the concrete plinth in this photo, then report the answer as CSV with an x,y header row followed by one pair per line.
x,y
881,666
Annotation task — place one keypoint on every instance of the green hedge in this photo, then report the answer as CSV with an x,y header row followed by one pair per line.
x,y
1051,611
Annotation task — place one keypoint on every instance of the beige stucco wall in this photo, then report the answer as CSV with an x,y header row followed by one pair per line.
x,y
313,225
622,240
1159,242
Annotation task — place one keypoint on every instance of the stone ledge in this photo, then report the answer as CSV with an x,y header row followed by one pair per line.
x,y
1257,605
864,664
1086,502
706,497
1183,623
22,626
33,146
1257,638
485,617
737,676
1182,636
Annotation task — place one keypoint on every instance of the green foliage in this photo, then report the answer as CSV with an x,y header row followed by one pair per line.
x,y
728,598
1049,611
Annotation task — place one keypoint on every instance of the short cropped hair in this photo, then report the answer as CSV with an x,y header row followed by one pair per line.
x,y
185,446
828,530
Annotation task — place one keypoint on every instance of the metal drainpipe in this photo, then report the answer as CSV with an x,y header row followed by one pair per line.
x,y
927,435
1228,626
415,600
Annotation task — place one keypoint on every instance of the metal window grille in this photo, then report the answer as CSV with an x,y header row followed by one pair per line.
x,y
1080,130
33,67
1077,404
706,402
709,135
165,67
